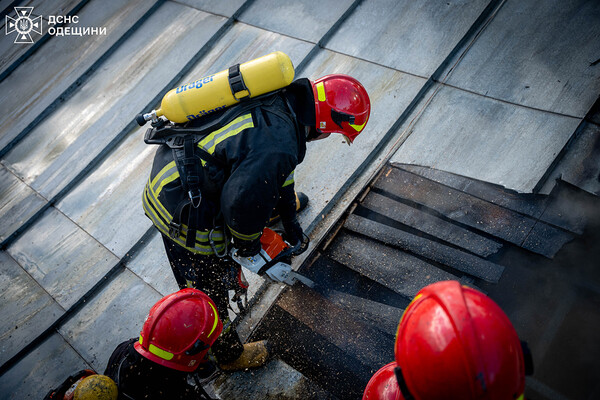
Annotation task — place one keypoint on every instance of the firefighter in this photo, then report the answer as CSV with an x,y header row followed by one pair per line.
x,y
173,345
214,193
453,342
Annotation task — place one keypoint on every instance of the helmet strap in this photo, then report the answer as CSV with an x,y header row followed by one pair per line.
x,y
402,384
338,117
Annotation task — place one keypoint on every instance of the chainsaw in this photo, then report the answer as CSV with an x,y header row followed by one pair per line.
x,y
271,260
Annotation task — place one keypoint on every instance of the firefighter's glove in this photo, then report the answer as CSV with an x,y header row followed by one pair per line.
x,y
246,248
298,240
252,263
292,232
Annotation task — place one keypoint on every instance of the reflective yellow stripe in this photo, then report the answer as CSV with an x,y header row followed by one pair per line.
x,y
289,180
157,205
166,181
358,128
238,235
216,320
231,129
521,397
162,172
321,91
409,304
201,236
165,355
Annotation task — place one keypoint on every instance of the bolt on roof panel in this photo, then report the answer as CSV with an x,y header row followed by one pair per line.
x,y
25,307
57,149
411,36
537,54
40,79
485,139
61,257
114,315
303,19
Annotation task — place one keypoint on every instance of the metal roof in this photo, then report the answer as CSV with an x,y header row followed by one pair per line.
x,y
498,91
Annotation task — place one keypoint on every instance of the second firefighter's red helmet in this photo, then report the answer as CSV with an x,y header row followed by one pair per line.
x,y
454,342
179,330
342,105
383,385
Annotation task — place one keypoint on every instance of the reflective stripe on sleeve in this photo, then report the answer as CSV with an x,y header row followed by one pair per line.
x,y
289,180
242,236
231,129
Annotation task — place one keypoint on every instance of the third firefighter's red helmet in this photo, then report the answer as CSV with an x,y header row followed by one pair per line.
x,y
179,330
454,342
342,105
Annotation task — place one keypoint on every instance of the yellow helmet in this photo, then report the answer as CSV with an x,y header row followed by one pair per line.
x,y
96,387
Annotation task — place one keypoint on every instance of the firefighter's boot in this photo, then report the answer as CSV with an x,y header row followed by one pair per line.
x,y
255,355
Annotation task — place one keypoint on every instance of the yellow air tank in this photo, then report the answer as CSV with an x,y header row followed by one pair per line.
x,y
223,89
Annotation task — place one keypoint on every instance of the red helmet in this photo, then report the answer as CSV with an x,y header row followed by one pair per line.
x,y
454,342
179,330
383,385
342,105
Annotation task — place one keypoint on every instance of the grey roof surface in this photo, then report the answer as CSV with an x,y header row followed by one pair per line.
x,y
492,90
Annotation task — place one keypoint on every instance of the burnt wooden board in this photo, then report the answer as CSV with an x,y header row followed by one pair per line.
x,y
430,249
431,225
468,210
524,203
381,316
399,271
324,342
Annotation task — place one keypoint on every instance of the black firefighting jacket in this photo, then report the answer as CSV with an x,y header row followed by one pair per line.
x,y
257,152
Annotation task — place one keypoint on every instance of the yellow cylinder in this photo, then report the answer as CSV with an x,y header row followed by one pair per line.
x,y
214,92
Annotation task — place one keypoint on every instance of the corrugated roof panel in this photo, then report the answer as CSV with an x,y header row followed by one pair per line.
x,y
61,257
226,8
108,203
330,162
76,132
25,304
581,165
537,54
18,202
243,43
412,36
38,81
151,264
44,368
486,139
116,314
304,19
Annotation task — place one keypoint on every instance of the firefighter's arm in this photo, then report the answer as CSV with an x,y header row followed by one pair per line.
x,y
286,208
249,196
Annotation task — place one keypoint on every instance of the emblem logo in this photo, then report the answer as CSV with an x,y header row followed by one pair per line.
x,y
23,25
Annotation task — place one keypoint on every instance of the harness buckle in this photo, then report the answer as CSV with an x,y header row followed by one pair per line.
x,y
195,198
174,230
